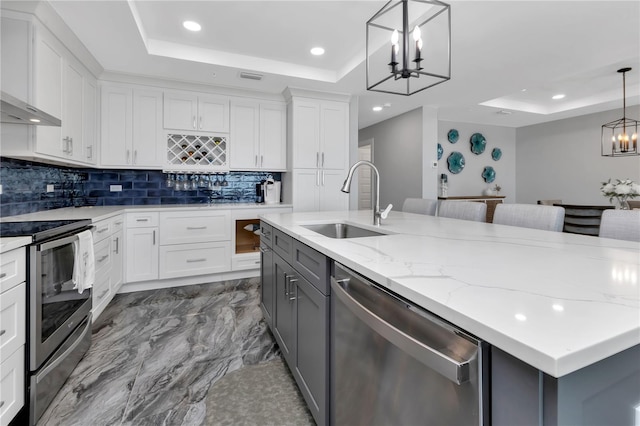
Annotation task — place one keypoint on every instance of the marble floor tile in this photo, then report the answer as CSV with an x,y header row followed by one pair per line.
x,y
156,354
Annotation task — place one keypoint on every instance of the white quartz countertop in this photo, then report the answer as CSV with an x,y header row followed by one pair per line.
x,y
99,213
557,301
10,243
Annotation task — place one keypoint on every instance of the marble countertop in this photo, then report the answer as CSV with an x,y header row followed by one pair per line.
x,y
557,301
99,213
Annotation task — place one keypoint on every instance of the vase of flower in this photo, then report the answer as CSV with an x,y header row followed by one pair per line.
x,y
621,190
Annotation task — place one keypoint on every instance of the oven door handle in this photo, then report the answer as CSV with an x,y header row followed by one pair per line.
x,y
54,363
57,243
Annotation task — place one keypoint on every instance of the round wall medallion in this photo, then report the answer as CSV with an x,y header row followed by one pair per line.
x,y
488,174
452,136
478,143
455,162
496,154
440,151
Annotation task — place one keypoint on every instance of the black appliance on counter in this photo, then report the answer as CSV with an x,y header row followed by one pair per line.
x,y
58,316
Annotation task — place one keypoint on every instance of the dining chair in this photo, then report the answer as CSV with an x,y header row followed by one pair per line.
x,y
549,202
634,204
465,210
621,225
550,218
420,206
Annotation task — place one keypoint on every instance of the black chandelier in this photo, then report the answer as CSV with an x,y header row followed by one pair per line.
x,y
615,139
409,67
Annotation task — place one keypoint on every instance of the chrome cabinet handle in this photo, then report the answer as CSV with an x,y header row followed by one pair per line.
x,y
200,122
323,159
261,160
256,162
154,237
142,220
66,145
100,231
135,156
117,250
265,250
90,152
103,258
317,177
286,285
196,260
317,159
2,275
196,227
194,122
2,332
1,404
323,178
128,156
71,143
295,287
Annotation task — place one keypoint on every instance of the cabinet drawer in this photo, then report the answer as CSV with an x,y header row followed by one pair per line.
x,y
194,227
13,268
101,294
312,265
282,244
117,223
101,230
102,255
13,319
142,220
11,385
194,259
266,232
246,261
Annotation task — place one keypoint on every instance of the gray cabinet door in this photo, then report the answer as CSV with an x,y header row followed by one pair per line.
x,y
267,302
312,316
283,319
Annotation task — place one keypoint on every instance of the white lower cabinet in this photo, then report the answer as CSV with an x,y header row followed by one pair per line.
x,y
142,254
13,308
182,260
108,255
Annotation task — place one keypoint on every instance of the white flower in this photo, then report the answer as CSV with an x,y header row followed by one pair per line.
x,y
607,188
623,189
635,188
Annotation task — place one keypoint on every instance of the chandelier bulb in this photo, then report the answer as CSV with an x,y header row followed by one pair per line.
x,y
416,33
395,37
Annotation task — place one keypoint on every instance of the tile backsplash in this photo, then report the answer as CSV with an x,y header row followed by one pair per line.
x,y
24,187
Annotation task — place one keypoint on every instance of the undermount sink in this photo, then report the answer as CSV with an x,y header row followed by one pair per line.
x,y
342,230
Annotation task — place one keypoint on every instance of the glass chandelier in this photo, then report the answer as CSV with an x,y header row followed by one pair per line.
x,y
620,137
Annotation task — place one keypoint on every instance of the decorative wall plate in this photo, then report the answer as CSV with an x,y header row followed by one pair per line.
x,y
452,136
455,162
496,154
488,174
440,151
478,143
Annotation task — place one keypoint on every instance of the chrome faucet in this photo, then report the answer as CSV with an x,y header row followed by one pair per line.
x,y
375,199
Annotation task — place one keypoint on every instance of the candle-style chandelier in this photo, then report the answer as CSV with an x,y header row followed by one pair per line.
x,y
620,137
409,46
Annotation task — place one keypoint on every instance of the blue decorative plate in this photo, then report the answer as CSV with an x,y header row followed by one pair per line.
x,y
496,154
440,151
452,136
478,143
488,174
455,162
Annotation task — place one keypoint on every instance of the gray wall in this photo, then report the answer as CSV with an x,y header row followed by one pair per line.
x,y
398,156
562,160
469,181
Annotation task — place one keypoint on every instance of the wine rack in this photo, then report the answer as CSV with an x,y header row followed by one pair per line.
x,y
197,152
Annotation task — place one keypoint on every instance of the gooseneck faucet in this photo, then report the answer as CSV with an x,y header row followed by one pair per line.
x,y
375,199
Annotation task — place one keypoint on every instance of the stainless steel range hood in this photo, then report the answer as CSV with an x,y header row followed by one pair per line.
x,y
19,112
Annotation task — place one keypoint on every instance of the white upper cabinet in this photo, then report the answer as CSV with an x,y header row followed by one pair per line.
x,y
258,136
132,134
306,134
196,112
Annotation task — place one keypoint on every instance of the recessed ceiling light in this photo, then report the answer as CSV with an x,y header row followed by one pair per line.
x,y
34,120
523,90
521,317
191,25
377,108
558,96
317,51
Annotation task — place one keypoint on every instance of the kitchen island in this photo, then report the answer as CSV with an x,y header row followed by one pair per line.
x,y
560,311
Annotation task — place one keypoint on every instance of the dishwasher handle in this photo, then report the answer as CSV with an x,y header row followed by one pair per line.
x,y
457,372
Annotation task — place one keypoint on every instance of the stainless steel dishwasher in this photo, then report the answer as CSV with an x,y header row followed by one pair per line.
x,y
394,363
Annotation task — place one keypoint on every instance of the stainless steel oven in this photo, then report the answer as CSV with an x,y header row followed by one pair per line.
x,y
58,316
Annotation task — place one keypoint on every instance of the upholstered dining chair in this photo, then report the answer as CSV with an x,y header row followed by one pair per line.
x,y
420,206
550,218
620,224
465,210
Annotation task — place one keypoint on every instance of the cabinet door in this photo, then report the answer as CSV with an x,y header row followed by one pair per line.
x,y
147,128
334,135
283,320
48,90
245,134
267,281
180,111
213,114
273,137
116,126
72,111
306,134
142,254
117,257
306,190
89,128
331,198
311,352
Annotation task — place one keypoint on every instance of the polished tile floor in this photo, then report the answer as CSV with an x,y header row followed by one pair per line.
x,y
156,354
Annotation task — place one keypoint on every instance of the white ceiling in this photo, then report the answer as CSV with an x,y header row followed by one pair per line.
x,y
499,48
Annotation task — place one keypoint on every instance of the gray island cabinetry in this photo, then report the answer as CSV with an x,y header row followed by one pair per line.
x,y
295,302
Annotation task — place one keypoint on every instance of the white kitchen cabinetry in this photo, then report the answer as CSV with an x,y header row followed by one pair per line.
x,y
108,252
258,135
319,150
132,134
196,111
12,333
194,243
142,246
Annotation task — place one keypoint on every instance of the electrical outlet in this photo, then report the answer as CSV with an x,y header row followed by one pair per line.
x,y
50,188
0,189
115,188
